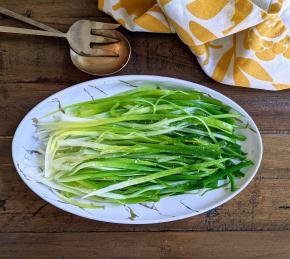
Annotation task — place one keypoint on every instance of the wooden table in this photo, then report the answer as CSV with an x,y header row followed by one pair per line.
x,y
254,224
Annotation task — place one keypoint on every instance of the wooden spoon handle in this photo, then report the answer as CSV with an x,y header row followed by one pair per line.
x,y
26,19
31,32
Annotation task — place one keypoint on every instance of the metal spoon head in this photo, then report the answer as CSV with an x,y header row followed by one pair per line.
x,y
102,66
82,34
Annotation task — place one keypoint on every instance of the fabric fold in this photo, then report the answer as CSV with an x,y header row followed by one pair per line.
x,y
237,42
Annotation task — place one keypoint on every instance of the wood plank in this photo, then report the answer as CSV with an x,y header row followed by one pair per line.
x,y
43,67
54,13
263,205
269,110
146,245
33,68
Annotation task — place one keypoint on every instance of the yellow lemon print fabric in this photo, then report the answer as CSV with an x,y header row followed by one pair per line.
x,y
237,42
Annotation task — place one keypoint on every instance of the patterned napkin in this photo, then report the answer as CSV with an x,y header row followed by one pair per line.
x,y
237,42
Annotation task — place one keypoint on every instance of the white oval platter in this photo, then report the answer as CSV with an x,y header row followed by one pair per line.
x,y
167,209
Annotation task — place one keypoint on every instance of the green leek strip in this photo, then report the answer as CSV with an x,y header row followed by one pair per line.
x,y
155,176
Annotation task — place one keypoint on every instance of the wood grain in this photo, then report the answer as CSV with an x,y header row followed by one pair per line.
x,y
43,67
256,223
54,12
263,205
147,245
